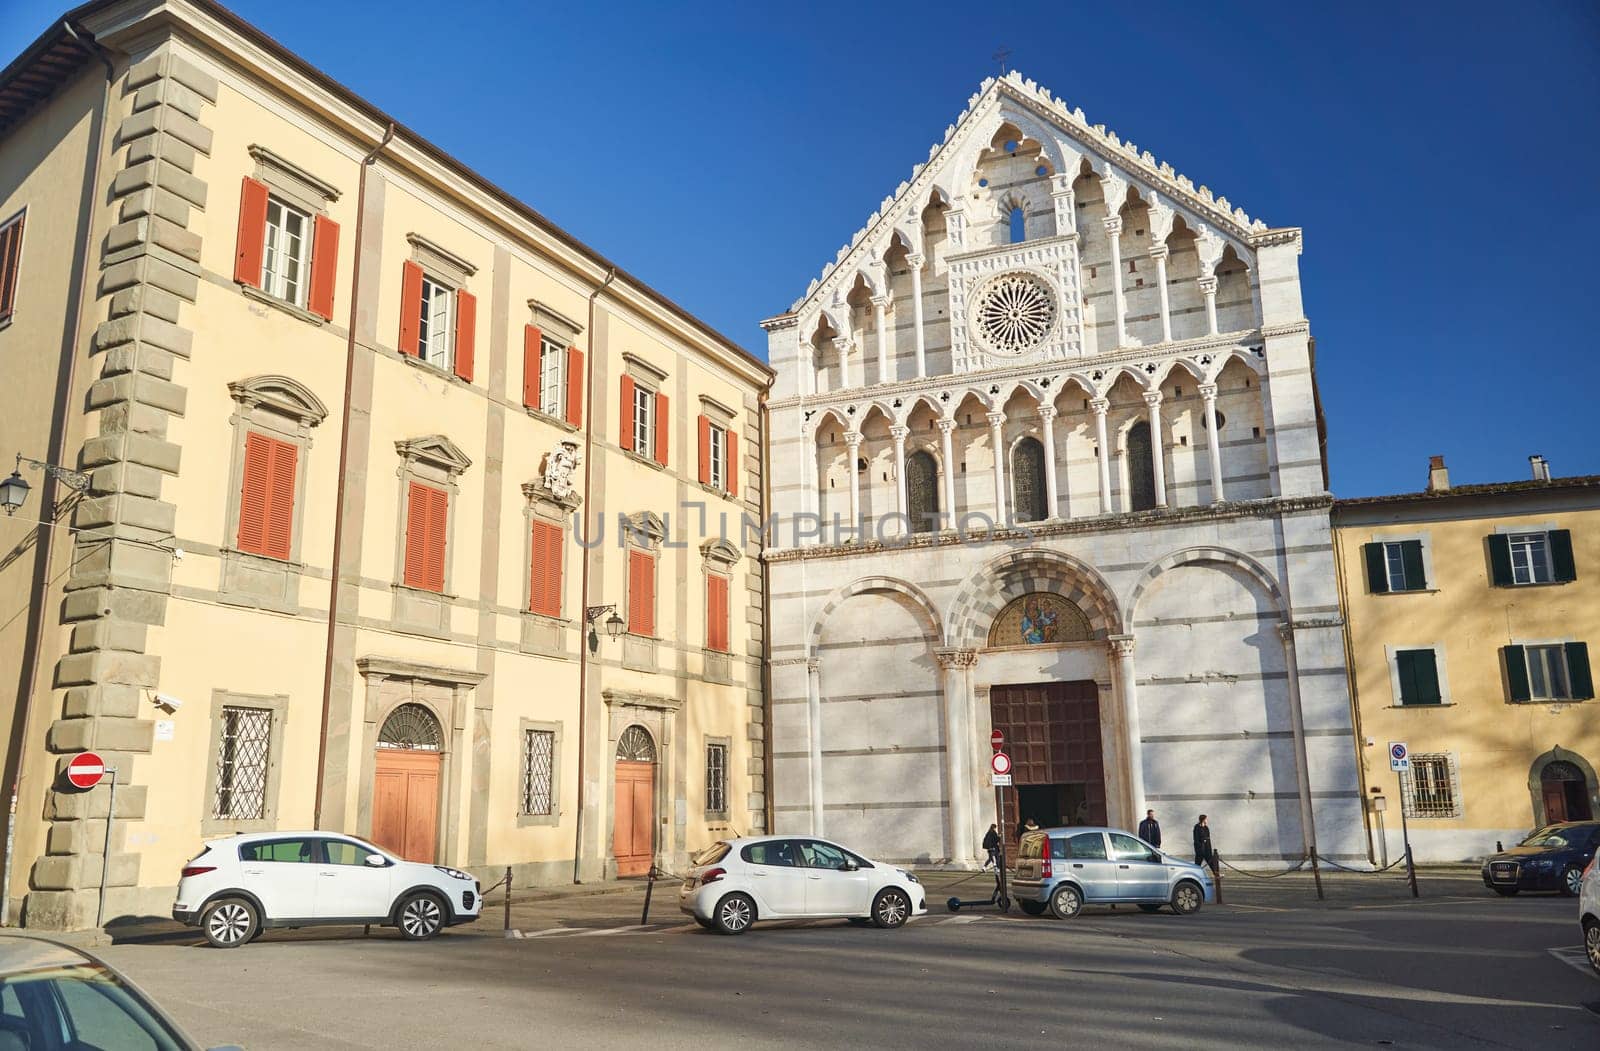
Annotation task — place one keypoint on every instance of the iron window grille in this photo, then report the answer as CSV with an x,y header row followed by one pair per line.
x,y
242,761
538,764
1432,787
717,778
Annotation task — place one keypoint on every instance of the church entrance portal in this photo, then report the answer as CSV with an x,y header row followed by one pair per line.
x,y
1052,733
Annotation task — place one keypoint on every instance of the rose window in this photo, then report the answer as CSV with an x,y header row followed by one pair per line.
x,y
1015,313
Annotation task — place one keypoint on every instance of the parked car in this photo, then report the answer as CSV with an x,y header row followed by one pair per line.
x,y
238,886
735,882
1589,912
53,996
1064,869
1552,858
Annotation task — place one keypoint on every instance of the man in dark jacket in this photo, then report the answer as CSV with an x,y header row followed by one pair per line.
x,y
1202,842
991,846
1150,829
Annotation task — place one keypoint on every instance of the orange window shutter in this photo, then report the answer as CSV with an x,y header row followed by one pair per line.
x,y
662,427
532,344
545,590
577,385
438,520
705,449
280,499
324,267
642,593
717,612
417,502
626,414
466,329
252,241
410,308
253,494
730,472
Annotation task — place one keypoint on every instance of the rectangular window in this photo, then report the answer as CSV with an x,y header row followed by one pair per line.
x,y
1547,673
10,263
641,593
551,358
1418,675
717,612
242,761
433,326
1530,558
427,519
266,497
1431,789
717,778
287,253
1395,565
718,438
544,588
644,420
538,767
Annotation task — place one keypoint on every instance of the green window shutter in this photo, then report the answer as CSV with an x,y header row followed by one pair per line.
x,y
1411,558
1425,671
1561,562
1500,560
1377,571
1403,669
1578,671
1517,672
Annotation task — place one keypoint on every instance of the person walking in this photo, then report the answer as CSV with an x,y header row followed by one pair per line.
x,y
1150,829
991,846
1202,842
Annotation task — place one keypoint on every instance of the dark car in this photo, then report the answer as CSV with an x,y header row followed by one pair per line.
x,y
58,998
1552,858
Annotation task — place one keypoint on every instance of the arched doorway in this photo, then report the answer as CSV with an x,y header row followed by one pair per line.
x,y
1565,791
1141,468
1027,481
405,784
922,491
633,828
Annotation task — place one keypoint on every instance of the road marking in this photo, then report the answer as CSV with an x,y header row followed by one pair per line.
x,y
965,919
1574,958
1414,904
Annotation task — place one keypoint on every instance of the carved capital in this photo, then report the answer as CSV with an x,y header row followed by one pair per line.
x,y
1099,405
915,261
1114,225
956,658
947,427
852,439
1121,646
1286,631
899,434
841,344
995,418
1153,398
1208,286
880,302
1047,413
1159,251
1208,391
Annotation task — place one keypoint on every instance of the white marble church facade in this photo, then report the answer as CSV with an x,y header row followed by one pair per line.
x,y
1046,331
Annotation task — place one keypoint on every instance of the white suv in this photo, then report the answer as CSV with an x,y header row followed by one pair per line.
x,y
238,886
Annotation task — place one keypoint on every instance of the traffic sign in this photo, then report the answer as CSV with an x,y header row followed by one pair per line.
x,y
1399,757
997,739
85,770
1001,780
1001,764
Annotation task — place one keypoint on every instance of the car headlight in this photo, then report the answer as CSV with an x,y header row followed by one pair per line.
x,y
909,876
455,873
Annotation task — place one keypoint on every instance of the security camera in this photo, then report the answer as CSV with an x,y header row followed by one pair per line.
x,y
169,702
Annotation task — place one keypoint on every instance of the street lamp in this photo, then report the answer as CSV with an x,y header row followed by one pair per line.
x,y
14,490
614,624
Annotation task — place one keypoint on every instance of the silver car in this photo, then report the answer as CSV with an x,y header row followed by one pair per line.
x,y
1064,869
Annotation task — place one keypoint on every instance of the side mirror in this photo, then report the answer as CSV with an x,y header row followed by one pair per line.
x,y
848,866
377,861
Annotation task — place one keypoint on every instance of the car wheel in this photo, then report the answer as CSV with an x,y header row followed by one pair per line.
x,y
1187,898
1150,908
1505,892
1591,943
954,904
230,923
1571,881
420,916
1066,902
891,908
734,915
1032,908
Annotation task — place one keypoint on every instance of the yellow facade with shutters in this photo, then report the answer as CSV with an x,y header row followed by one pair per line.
x,y
1470,615
268,389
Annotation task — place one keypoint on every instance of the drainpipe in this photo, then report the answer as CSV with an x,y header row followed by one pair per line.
x,y
583,625
66,376
344,456
766,619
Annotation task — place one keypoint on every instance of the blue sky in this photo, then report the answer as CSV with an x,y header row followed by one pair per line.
x,y
1442,158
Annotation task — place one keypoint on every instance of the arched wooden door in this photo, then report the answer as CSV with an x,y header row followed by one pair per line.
x,y
1566,792
634,815
405,784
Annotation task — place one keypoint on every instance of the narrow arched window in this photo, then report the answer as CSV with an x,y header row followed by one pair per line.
x,y
1141,468
1019,231
1027,481
922,492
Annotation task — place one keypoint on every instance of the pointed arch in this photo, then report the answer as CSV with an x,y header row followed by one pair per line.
x,y
989,587
1202,553
913,594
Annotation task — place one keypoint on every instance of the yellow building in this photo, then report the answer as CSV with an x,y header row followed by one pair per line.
x,y
1469,613
279,341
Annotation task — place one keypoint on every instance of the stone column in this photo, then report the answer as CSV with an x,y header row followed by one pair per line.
x,y
808,368
842,345
878,305
1047,423
1114,235
1208,288
853,441
915,261
1159,253
1157,455
996,422
1122,655
1208,391
899,434
1100,405
814,741
1308,824
957,666
811,473
946,428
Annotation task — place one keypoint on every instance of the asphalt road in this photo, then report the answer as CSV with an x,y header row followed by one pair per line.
x,y
1461,970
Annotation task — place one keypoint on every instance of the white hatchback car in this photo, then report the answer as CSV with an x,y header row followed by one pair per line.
x,y
238,886
1589,912
735,882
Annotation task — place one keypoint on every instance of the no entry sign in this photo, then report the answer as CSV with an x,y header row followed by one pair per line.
x,y
1001,763
997,739
85,770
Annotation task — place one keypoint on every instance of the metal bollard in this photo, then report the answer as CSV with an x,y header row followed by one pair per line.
x,y
1216,874
649,887
508,898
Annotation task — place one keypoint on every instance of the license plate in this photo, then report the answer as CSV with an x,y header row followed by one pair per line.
x,y
1504,873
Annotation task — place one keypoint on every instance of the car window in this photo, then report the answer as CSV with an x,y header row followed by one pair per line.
x,y
821,855
1032,846
771,852
344,852
1550,837
1086,845
299,850
96,1012
711,855
1126,848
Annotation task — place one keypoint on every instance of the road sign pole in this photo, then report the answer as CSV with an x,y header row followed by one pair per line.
x,y
105,854
1405,834
1000,810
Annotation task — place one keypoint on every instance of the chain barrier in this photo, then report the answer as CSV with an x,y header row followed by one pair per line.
x,y
1374,871
1259,875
